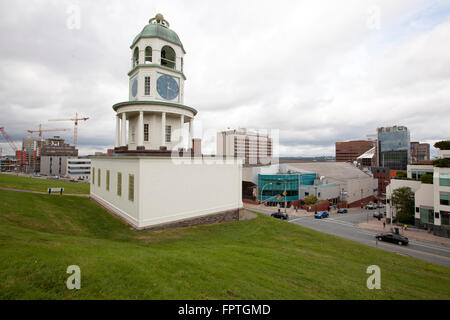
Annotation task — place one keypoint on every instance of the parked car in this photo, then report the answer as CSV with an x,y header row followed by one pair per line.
x,y
370,206
280,215
378,214
342,210
380,205
321,215
392,237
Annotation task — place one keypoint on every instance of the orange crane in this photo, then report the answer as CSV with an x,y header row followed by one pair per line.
x,y
46,130
75,129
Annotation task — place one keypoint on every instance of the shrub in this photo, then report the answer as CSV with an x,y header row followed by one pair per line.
x,y
426,178
400,174
443,163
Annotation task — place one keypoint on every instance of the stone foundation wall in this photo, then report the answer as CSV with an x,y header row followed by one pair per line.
x,y
441,231
226,216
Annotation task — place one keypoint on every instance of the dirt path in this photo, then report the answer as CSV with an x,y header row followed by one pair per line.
x,y
40,192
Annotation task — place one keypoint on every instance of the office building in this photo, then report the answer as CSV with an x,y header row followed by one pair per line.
x,y
349,151
419,152
30,155
54,155
252,146
432,200
78,168
393,147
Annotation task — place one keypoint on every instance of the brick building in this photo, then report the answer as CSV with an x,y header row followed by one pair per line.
x,y
350,150
383,175
419,152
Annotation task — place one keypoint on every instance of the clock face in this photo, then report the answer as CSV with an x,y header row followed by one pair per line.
x,y
134,88
167,87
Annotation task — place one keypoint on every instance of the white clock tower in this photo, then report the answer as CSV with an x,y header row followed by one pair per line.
x,y
155,112
145,182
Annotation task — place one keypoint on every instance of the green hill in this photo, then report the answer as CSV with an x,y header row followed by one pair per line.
x,y
41,184
263,258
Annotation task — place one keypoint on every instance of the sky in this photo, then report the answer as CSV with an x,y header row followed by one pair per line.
x,y
312,72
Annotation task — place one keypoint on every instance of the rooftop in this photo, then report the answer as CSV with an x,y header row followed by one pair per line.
x,y
158,27
340,171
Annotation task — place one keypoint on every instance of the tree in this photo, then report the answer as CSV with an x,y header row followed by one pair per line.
x,y
426,178
403,201
443,145
310,200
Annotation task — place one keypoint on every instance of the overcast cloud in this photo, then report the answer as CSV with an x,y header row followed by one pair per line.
x,y
319,71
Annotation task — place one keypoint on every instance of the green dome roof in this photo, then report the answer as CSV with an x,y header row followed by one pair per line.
x,y
155,30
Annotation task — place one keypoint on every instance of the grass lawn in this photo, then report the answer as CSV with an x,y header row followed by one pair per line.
x,y
263,258
38,184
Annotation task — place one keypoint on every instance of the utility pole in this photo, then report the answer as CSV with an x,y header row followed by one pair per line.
x,y
285,195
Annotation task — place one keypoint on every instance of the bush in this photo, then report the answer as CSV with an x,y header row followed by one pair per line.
x,y
443,163
426,178
400,174
443,145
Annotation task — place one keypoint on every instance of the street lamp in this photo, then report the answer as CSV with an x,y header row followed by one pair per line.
x,y
263,189
285,192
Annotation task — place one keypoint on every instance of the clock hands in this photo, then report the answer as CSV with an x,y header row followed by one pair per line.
x,y
170,85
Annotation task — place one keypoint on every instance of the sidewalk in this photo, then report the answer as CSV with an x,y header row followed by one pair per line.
x,y
290,211
413,233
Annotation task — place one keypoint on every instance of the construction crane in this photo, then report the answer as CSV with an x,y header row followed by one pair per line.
x,y
46,130
75,129
8,139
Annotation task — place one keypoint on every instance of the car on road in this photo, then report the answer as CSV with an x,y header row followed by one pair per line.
x,y
321,215
280,215
370,206
378,214
342,210
392,237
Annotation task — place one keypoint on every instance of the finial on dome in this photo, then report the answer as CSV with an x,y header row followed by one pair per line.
x,y
159,19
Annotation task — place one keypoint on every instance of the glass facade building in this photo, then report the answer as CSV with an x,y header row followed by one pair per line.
x,y
274,185
393,147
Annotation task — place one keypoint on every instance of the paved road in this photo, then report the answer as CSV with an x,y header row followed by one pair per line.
x,y
344,226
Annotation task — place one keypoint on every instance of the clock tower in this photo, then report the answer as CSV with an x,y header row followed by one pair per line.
x,y
155,111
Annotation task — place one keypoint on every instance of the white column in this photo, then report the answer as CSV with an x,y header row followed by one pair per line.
x,y
140,129
191,131
123,133
182,131
163,129
117,131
